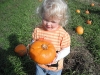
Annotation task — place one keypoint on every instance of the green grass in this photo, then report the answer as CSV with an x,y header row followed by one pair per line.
x,y
17,21
91,32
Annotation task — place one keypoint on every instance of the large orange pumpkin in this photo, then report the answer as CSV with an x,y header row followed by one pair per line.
x,y
79,30
21,50
42,52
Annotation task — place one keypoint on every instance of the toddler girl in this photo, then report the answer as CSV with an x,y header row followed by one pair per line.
x,y
54,16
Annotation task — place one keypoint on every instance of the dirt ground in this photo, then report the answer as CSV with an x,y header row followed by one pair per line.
x,y
80,60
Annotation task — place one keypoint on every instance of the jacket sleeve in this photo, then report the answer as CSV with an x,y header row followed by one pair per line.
x,y
63,53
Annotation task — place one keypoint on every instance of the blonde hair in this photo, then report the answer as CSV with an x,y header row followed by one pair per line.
x,y
54,8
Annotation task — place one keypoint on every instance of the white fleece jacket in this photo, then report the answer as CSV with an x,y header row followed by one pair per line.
x,y
63,53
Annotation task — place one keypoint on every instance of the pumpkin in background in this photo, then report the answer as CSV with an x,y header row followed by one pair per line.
x,y
87,12
89,22
79,30
42,52
78,11
92,4
20,50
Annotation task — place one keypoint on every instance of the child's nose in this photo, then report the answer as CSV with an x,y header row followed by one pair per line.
x,y
48,23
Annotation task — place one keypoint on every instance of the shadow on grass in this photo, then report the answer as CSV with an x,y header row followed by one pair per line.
x,y
96,11
7,67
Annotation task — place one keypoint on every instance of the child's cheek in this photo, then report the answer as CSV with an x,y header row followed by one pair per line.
x,y
44,22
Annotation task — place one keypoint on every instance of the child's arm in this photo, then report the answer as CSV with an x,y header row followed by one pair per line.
x,y
63,53
57,68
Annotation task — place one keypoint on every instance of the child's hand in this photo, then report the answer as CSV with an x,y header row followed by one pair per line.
x,y
48,68
53,68
54,62
60,66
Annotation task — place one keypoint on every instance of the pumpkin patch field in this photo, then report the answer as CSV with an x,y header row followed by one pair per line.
x,y
17,21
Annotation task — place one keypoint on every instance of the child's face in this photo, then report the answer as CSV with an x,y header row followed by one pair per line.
x,y
50,24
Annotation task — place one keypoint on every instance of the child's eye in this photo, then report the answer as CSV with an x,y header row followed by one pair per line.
x,y
53,21
45,19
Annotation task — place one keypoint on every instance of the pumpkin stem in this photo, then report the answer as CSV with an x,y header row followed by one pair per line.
x,y
44,46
